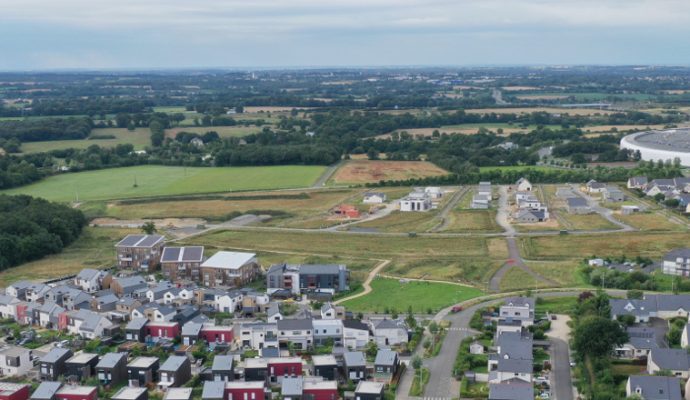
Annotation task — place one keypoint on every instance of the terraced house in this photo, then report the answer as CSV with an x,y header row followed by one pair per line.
x,y
304,278
140,252
182,262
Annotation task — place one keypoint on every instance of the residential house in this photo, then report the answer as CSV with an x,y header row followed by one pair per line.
x,y
256,369
112,369
128,285
511,391
291,388
68,297
73,392
229,268
27,291
677,262
14,391
476,348
513,359
190,333
518,308
8,307
125,306
595,187
415,201
91,280
508,325
136,330
273,313
523,185
637,182
480,202
367,390
653,387
246,390
299,332
142,371
433,192
328,331
155,312
47,315
175,372
104,303
355,365
46,390
530,216
87,324
283,367
331,311
140,252
82,366
215,390
390,332
385,365
258,335
155,294
613,194
641,340
578,205
178,394
162,330
330,278
325,366
131,393
52,365
355,334
320,390
677,361
14,361
178,296
374,198
222,368
224,301
212,333
182,262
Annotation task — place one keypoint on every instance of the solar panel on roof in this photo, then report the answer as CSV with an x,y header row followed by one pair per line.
x,y
130,240
192,253
171,254
149,240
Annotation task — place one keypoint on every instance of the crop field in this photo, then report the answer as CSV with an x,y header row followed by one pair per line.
x,y
390,294
468,270
399,221
586,222
223,131
519,168
472,221
550,110
118,183
630,244
94,249
649,221
139,137
371,171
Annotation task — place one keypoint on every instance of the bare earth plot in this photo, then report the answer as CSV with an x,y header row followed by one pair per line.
x,y
372,171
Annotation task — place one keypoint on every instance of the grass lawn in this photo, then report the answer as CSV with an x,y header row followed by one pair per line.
x,y
140,138
555,305
421,296
94,249
399,221
472,221
592,221
519,168
223,131
630,244
469,270
517,279
650,221
564,272
165,181
417,387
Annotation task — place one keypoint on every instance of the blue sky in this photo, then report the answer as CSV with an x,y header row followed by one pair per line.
x,y
100,34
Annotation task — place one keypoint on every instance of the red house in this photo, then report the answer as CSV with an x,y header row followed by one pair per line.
x,y
238,390
69,392
22,314
13,391
282,367
163,330
216,334
324,390
346,211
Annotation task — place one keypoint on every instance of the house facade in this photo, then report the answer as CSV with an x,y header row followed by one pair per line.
x,y
228,268
182,262
140,252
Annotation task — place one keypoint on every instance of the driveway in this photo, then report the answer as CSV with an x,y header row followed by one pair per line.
x,y
561,382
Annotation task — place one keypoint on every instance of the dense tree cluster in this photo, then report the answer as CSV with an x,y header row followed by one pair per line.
x,y
31,228
32,130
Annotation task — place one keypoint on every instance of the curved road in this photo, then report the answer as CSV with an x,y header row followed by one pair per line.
x,y
367,282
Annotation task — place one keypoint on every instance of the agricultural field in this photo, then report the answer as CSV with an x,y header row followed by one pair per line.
x,y
576,247
223,131
148,181
586,222
517,279
357,172
650,221
139,137
399,221
94,249
472,221
393,294
476,271
550,110
565,273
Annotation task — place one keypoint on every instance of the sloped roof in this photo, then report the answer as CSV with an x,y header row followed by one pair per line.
x,y
656,387
228,260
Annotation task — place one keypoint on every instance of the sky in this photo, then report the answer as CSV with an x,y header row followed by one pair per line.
x,y
174,34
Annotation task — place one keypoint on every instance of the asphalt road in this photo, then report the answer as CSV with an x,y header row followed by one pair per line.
x,y
561,385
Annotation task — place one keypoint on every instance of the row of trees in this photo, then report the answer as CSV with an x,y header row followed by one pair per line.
x,y
32,130
31,228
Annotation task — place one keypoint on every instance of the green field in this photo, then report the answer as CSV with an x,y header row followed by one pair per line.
x,y
140,138
421,296
222,131
118,183
517,168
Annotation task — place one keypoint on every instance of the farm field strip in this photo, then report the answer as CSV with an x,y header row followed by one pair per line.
x,y
372,171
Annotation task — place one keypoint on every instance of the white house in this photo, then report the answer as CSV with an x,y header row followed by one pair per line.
x,y
258,335
90,280
518,308
374,198
415,201
299,332
596,262
523,185
677,262
677,361
325,329
14,361
685,337
227,301
355,334
389,332
433,192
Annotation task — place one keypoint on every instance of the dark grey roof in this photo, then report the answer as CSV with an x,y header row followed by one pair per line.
x,y
511,391
173,363
515,345
642,337
140,241
656,387
295,324
110,360
55,354
355,324
385,357
677,253
131,281
672,302
332,269
268,352
183,254
213,390
354,359
634,307
390,324
191,329
137,323
671,359
87,273
576,202
222,363
520,301
509,322
514,365
46,390
638,180
292,386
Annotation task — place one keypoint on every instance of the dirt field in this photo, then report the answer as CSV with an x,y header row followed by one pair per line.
x,y
256,109
364,171
519,88
550,110
542,97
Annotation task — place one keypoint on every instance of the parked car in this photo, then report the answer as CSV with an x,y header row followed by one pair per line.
x,y
456,309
